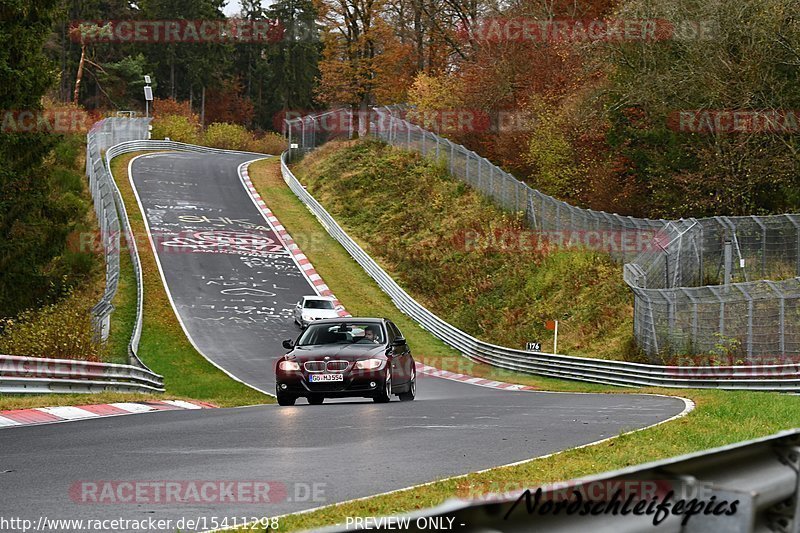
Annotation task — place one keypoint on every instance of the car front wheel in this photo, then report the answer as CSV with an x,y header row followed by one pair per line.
x,y
385,395
411,393
285,399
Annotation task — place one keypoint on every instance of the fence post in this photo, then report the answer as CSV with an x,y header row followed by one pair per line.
x,y
288,135
349,123
531,210
314,128
728,259
749,322
781,315
797,243
452,155
692,299
671,317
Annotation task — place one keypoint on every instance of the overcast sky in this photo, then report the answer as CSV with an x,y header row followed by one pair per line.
x,y
233,7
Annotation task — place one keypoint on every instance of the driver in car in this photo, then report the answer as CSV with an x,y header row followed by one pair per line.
x,y
371,334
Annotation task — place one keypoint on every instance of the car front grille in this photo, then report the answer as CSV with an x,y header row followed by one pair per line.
x,y
336,366
322,366
314,366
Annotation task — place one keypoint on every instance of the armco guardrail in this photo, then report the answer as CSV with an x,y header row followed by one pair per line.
x,y
745,487
103,135
667,263
747,377
33,375
36,375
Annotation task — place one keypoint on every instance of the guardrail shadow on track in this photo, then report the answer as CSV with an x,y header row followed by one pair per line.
x,y
745,487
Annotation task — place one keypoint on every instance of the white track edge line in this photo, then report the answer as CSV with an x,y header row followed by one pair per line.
x,y
164,280
689,406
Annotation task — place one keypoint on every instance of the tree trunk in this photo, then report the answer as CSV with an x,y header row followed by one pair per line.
x,y
419,34
79,76
363,116
203,107
172,75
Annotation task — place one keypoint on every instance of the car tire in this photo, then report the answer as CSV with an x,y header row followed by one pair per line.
x,y
315,400
385,395
286,400
411,393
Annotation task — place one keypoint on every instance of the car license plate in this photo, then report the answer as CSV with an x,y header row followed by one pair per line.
x,y
320,378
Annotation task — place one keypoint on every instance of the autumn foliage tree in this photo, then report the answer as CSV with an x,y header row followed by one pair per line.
x,y
229,104
363,63
163,107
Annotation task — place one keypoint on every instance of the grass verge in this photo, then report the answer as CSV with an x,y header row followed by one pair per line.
x,y
164,346
720,417
475,265
123,318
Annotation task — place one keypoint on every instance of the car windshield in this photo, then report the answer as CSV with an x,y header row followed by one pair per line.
x,y
362,334
318,304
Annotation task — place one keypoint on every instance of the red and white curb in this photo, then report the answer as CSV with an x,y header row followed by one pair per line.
x,y
323,290
47,415
300,258
472,380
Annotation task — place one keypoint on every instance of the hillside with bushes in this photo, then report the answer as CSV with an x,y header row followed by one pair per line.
x,y
471,263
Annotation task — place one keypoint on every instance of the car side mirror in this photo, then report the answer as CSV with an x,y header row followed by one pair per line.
x,y
399,341
288,344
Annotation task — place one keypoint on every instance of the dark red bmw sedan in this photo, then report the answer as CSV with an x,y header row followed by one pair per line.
x,y
346,357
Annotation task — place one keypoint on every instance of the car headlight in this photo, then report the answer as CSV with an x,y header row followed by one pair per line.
x,y
289,365
307,318
369,364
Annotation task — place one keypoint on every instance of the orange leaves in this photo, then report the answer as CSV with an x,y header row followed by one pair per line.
x,y
363,59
